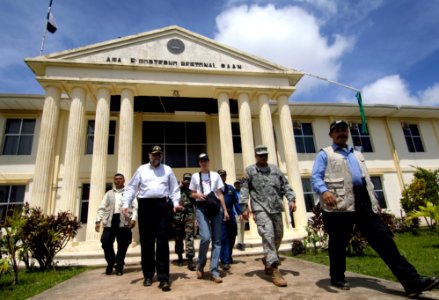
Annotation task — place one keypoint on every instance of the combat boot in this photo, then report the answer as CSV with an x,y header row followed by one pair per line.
x,y
277,278
267,270
180,260
190,263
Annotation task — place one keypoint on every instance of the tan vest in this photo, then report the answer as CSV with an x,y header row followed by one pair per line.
x,y
338,180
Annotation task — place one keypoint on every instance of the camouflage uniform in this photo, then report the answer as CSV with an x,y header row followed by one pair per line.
x,y
184,224
266,186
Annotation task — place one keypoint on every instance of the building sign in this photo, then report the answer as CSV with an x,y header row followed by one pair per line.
x,y
163,62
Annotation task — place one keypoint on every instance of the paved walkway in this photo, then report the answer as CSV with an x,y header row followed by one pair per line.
x,y
246,280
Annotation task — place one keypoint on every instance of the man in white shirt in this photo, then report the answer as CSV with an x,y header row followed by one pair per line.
x,y
158,193
116,225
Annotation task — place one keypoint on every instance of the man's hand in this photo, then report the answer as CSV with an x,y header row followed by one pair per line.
x,y
199,196
226,216
245,215
178,208
292,206
132,224
98,227
125,211
329,198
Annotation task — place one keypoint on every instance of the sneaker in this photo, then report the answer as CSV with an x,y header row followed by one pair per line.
x,y
341,284
147,282
422,285
119,272
226,267
216,279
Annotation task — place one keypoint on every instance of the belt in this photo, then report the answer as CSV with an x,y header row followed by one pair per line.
x,y
164,199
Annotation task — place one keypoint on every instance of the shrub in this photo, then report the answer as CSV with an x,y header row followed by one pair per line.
x,y
44,236
357,244
297,248
317,236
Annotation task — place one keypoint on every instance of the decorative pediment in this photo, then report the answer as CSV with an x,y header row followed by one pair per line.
x,y
168,47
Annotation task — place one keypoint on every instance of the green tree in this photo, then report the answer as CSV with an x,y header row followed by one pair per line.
x,y
424,188
430,212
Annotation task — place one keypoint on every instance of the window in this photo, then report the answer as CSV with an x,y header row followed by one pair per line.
x,y
412,137
308,194
11,198
379,192
181,142
360,139
85,197
236,136
91,135
303,136
19,135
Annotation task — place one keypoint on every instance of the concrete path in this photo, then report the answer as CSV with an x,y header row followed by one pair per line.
x,y
246,280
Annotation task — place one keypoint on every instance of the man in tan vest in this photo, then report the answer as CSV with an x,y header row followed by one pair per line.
x,y
116,225
347,197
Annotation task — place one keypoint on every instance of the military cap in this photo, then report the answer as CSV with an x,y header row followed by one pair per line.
x,y
203,156
261,149
156,149
338,124
222,172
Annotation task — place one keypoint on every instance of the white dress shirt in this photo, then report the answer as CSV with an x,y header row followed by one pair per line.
x,y
150,182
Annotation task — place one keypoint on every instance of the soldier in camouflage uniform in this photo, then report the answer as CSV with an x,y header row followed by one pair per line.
x,y
184,224
266,186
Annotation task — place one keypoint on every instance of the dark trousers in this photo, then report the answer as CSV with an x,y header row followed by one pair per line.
x,y
339,226
123,236
154,217
228,238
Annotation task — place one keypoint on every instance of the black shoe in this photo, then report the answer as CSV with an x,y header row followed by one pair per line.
x,y
422,285
164,285
341,284
147,282
109,270
119,272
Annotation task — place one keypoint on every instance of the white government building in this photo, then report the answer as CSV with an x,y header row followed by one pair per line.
x,y
107,103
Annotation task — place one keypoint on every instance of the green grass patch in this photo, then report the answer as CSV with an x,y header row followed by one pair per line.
x,y
31,283
421,250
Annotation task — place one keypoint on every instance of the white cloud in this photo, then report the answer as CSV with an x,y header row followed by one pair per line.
x,y
394,90
289,36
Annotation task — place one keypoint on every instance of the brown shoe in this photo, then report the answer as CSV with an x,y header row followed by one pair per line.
x,y
216,279
277,278
200,274
267,270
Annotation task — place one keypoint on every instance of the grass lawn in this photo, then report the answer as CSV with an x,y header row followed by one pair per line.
x,y
421,250
34,282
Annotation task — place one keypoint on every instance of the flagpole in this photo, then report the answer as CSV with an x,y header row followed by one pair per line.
x,y
331,81
45,27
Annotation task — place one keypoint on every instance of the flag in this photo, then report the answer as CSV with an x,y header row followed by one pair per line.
x,y
51,24
363,116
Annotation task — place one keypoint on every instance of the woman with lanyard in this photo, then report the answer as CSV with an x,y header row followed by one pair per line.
x,y
202,184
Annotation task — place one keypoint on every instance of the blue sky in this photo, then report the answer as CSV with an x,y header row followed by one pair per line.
x,y
387,48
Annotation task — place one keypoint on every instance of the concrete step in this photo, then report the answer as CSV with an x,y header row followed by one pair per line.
x,y
91,253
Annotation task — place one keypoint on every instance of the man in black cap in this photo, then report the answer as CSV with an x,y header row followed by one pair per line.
x,y
154,184
341,178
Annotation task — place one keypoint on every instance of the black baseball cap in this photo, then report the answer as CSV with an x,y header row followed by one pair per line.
x,y
156,149
203,156
338,124
187,176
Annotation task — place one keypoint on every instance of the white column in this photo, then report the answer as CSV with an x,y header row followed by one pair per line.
x,y
74,149
225,128
245,127
41,191
291,160
266,124
99,162
126,125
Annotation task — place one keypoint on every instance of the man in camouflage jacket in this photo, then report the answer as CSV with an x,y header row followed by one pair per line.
x,y
184,224
266,186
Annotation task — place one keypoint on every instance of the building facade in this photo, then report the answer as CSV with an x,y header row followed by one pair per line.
x,y
107,103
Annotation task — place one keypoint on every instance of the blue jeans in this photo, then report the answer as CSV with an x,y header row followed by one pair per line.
x,y
209,229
